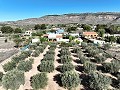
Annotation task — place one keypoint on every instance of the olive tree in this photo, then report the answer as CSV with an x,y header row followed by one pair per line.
x,y
89,67
9,66
70,79
13,79
112,67
66,67
99,81
39,81
46,66
65,59
24,66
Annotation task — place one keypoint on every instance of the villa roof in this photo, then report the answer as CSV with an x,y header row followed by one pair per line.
x,y
90,33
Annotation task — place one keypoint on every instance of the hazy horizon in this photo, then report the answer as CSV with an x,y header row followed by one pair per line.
x,y
13,10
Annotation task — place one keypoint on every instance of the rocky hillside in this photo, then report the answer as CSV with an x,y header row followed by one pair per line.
x,y
87,18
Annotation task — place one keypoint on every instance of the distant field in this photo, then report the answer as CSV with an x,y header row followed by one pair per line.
x,y
6,49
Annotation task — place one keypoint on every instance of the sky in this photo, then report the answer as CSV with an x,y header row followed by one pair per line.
x,y
12,10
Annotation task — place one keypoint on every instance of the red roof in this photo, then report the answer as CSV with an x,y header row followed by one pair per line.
x,y
90,33
58,36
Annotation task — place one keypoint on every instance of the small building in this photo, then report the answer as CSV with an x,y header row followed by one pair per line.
x,y
35,40
98,42
53,37
28,33
60,31
74,34
90,35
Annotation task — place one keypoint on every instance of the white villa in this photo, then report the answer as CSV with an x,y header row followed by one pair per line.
x,y
28,33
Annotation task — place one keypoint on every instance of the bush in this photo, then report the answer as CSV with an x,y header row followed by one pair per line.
x,y
50,52
40,49
9,66
107,55
76,50
99,81
13,79
83,59
83,44
80,54
49,57
107,46
36,53
112,67
89,67
118,76
39,81
33,46
31,60
65,59
46,66
1,75
65,52
99,58
66,67
70,79
24,66
64,44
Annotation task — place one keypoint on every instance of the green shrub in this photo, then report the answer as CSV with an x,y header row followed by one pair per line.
x,y
107,46
13,79
65,59
31,60
1,75
36,53
9,66
46,66
118,77
83,44
50,52
64,44
80,54
107,55
99,58
24,66
49,57
65,52
33,46
66,67
83,59
76,50
40,49
39,81
65,48
112,67
89,67
70,79
99,81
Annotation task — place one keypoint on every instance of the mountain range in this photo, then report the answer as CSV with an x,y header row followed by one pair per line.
x,y
82,18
